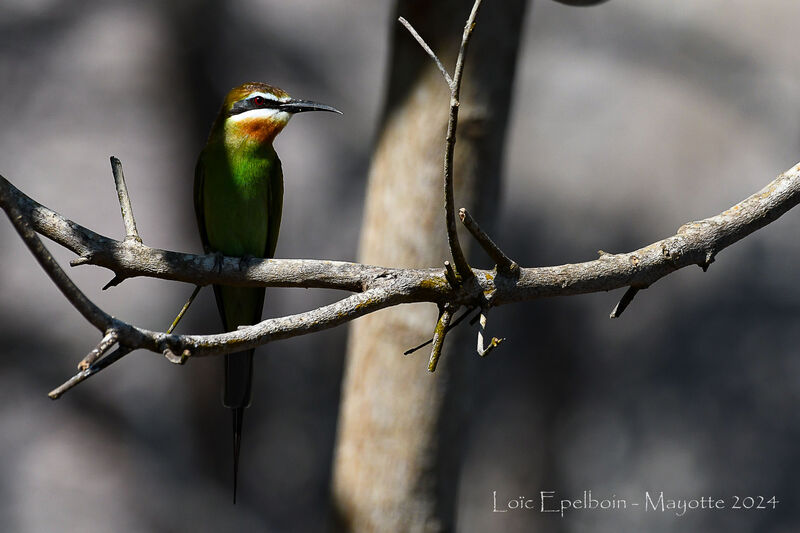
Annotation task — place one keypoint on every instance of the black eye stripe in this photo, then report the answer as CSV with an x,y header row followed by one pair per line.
x,y
256,102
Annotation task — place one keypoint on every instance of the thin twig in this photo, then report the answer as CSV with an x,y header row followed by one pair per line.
x,y
83,375
184,309
503,262
452,325
105,344
462,268
124,201
439,333
462,52
624,302
427,49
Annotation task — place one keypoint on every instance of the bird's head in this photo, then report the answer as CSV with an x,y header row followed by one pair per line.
x,y
259,111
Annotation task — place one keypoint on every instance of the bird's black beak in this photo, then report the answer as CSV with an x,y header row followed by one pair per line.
x,y
298,106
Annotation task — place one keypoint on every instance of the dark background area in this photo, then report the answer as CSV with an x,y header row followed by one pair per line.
x,y
629,119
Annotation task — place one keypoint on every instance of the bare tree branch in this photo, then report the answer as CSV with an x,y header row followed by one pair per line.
x,y
695,243
375,287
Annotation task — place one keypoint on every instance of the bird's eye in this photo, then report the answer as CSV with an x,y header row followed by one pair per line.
x,y
259,101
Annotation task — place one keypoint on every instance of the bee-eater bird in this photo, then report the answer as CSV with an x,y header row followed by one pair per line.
x,y
238,198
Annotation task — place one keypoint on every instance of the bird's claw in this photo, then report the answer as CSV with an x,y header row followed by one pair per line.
x,y
219,258
244,261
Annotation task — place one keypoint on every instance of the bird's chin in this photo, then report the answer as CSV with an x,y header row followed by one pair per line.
x,y
257,127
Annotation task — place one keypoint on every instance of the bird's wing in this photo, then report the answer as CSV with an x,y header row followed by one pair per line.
x,y
275,208
199,178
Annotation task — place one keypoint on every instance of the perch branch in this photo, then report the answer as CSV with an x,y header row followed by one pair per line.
x,y
695,243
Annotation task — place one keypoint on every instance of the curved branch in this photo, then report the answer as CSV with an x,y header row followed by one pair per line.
x,y
131,259
695,243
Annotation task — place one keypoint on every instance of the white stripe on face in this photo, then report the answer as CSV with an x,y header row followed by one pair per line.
x,y
270,114
268,96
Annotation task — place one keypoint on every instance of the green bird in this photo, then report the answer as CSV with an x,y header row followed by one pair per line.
x,y
238,199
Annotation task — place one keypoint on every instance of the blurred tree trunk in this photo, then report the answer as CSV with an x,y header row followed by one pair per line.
x,y
397,454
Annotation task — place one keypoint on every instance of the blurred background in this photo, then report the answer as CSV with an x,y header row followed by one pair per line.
x,y
628,120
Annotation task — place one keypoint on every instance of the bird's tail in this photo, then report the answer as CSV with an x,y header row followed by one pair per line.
x,y
238,306
238,416
237,395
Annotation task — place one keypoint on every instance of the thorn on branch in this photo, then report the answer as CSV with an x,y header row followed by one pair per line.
x,y
626,299
116,280
708,260
131,232
503,262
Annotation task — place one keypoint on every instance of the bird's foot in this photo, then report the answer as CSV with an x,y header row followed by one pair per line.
x,y
219,258
244,261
